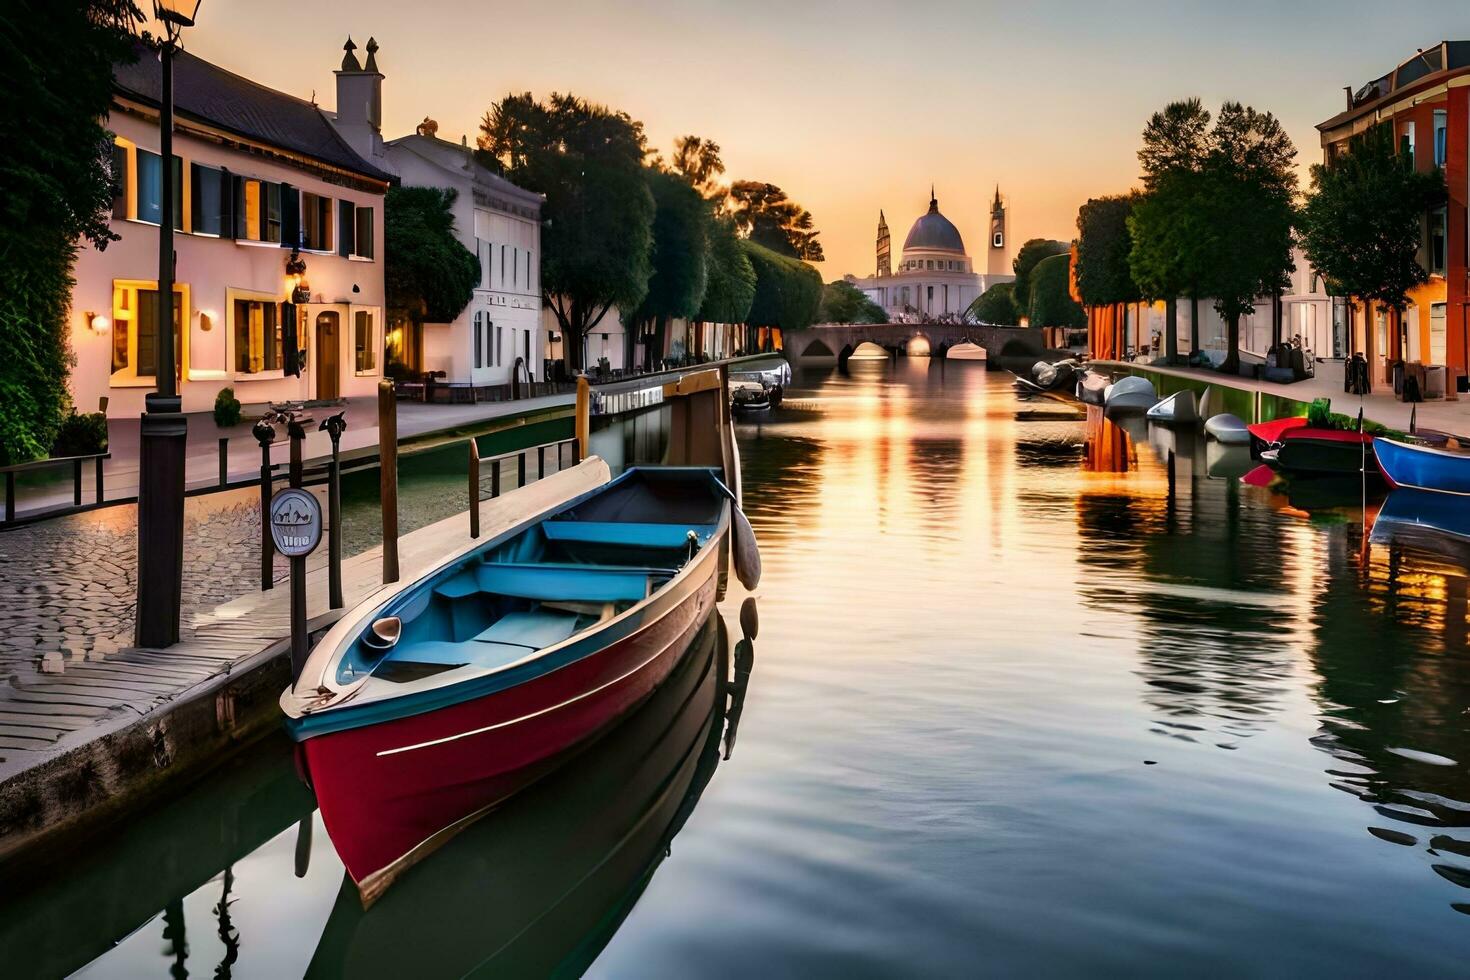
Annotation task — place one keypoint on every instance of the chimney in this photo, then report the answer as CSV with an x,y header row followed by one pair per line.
x,y
359,115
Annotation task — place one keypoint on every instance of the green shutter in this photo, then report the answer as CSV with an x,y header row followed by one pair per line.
x,y
345,232
290,216
119,181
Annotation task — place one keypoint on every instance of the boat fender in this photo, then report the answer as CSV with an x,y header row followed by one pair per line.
x,y
747,553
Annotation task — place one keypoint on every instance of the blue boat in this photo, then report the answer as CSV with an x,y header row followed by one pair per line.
x,y
1415,514
1424,467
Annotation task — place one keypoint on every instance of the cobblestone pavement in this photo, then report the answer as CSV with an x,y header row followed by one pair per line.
x,y
67,585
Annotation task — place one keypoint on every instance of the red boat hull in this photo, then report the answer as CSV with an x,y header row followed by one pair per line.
x,y
391,792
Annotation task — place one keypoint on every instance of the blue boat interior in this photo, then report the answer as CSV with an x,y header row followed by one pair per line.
x,y
579,567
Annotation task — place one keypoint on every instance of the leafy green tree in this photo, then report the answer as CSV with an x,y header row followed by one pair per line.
x,y
597,236
996,306
842,302
1361,227
1176,143
1052,304
56,64
1031,253
1103,245
427,274
767,217
681,225
788,292
731,287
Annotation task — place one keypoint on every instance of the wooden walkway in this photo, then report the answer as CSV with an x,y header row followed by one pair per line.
x,y
47,714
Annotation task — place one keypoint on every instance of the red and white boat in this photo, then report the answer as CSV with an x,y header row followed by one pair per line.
x,y
425,708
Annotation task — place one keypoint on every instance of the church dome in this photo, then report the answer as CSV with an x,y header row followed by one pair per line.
x,y
934,232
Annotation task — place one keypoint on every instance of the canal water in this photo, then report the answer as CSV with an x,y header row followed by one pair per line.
x,y
1008,699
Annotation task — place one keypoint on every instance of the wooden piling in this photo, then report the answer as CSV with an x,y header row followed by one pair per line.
x,y
584,418
388,476
474,489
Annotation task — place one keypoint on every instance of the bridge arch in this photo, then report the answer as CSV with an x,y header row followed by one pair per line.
x,y
817,348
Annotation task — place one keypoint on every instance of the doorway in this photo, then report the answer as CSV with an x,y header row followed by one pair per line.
x,y
328,356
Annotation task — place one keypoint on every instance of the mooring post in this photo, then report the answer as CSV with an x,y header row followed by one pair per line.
x,y
300,645
584,417
474,469
388,476
296,432
265,434
334,425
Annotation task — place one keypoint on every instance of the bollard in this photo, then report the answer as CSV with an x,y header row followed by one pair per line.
x,y
388,476
584,417
334,425
265,434
474,489
224,460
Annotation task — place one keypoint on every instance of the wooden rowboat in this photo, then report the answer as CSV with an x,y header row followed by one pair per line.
x,y
425,708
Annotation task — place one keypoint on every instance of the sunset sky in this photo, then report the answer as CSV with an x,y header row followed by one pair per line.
x,y
855,106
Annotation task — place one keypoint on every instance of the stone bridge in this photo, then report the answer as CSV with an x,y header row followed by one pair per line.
x,y
837,341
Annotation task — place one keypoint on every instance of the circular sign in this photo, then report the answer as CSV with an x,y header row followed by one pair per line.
x,y
296,522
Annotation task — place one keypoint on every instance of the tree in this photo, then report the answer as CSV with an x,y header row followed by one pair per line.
x,y
1052,304
996,306
788,292
56,62
1176,142
1031,253
767,217
597,235
698,161
731,286
842,302
1103,244
680,251
1361,227
428,275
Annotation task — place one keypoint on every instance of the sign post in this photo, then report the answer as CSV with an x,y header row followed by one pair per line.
x,y
296,530
334,426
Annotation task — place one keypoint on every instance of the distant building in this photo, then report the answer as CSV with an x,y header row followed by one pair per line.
x,y
259,175
499,334
936,278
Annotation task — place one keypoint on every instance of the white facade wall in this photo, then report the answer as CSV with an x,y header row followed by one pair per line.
x,y
211,272
607,339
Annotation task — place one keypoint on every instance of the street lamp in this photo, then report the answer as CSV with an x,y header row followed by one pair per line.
x,y
163,426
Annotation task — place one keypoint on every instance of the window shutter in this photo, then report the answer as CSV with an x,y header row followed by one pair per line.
x,y
237,188
345,233
227,193
290,217
119,181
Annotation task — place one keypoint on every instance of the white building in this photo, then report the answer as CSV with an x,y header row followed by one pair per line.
x,y
936,278
499,334
257,172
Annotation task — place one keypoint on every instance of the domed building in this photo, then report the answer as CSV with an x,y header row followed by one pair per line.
x,y
935,277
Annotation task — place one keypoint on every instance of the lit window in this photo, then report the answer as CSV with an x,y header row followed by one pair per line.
x,y
135,331
365,341
256,330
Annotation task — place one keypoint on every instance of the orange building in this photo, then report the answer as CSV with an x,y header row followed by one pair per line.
x,y
1427,101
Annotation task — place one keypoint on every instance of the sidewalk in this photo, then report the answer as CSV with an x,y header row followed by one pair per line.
x,y
201,464
1380,406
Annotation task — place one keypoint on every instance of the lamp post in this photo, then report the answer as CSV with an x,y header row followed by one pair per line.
x,y
163,425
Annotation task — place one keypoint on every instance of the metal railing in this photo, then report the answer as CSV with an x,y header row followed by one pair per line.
x,y
76,463
496,464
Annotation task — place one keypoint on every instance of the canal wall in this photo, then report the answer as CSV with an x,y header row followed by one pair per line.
x,y
1231,395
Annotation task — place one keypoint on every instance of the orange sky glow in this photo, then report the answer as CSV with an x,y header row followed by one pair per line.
x,y
851,107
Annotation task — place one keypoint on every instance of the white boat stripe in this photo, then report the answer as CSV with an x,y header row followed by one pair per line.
x,y
534,714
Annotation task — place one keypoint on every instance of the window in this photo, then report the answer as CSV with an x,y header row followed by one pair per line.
x,y
502,267
1406,141
256,332
515,267
135,332
479,349
1441,145
363,241
150,188
999,241
930,263
499,347
1437,237
207,187
316,222
365,341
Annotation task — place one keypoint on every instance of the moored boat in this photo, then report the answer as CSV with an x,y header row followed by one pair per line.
x,y
1090,387
1176,409
1130,394
427,706
749,397
1264,435
1228,430
1307,450
1445,471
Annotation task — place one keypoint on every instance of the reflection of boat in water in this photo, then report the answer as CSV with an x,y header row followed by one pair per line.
x,y
539,887
965,350
426,707
1421,516
1443,471
1176,409
1227,429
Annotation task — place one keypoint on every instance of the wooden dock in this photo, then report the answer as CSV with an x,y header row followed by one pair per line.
x,y
84,741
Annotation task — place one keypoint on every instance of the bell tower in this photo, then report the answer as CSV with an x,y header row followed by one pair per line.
x,y
885,254
996,261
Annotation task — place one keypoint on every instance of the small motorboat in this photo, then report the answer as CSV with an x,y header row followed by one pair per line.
x,y
1090,387
1129,395
1227,429
1207,403
1445,471
1176,409
749,397
1308,450
966,350
1053,376
435,700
